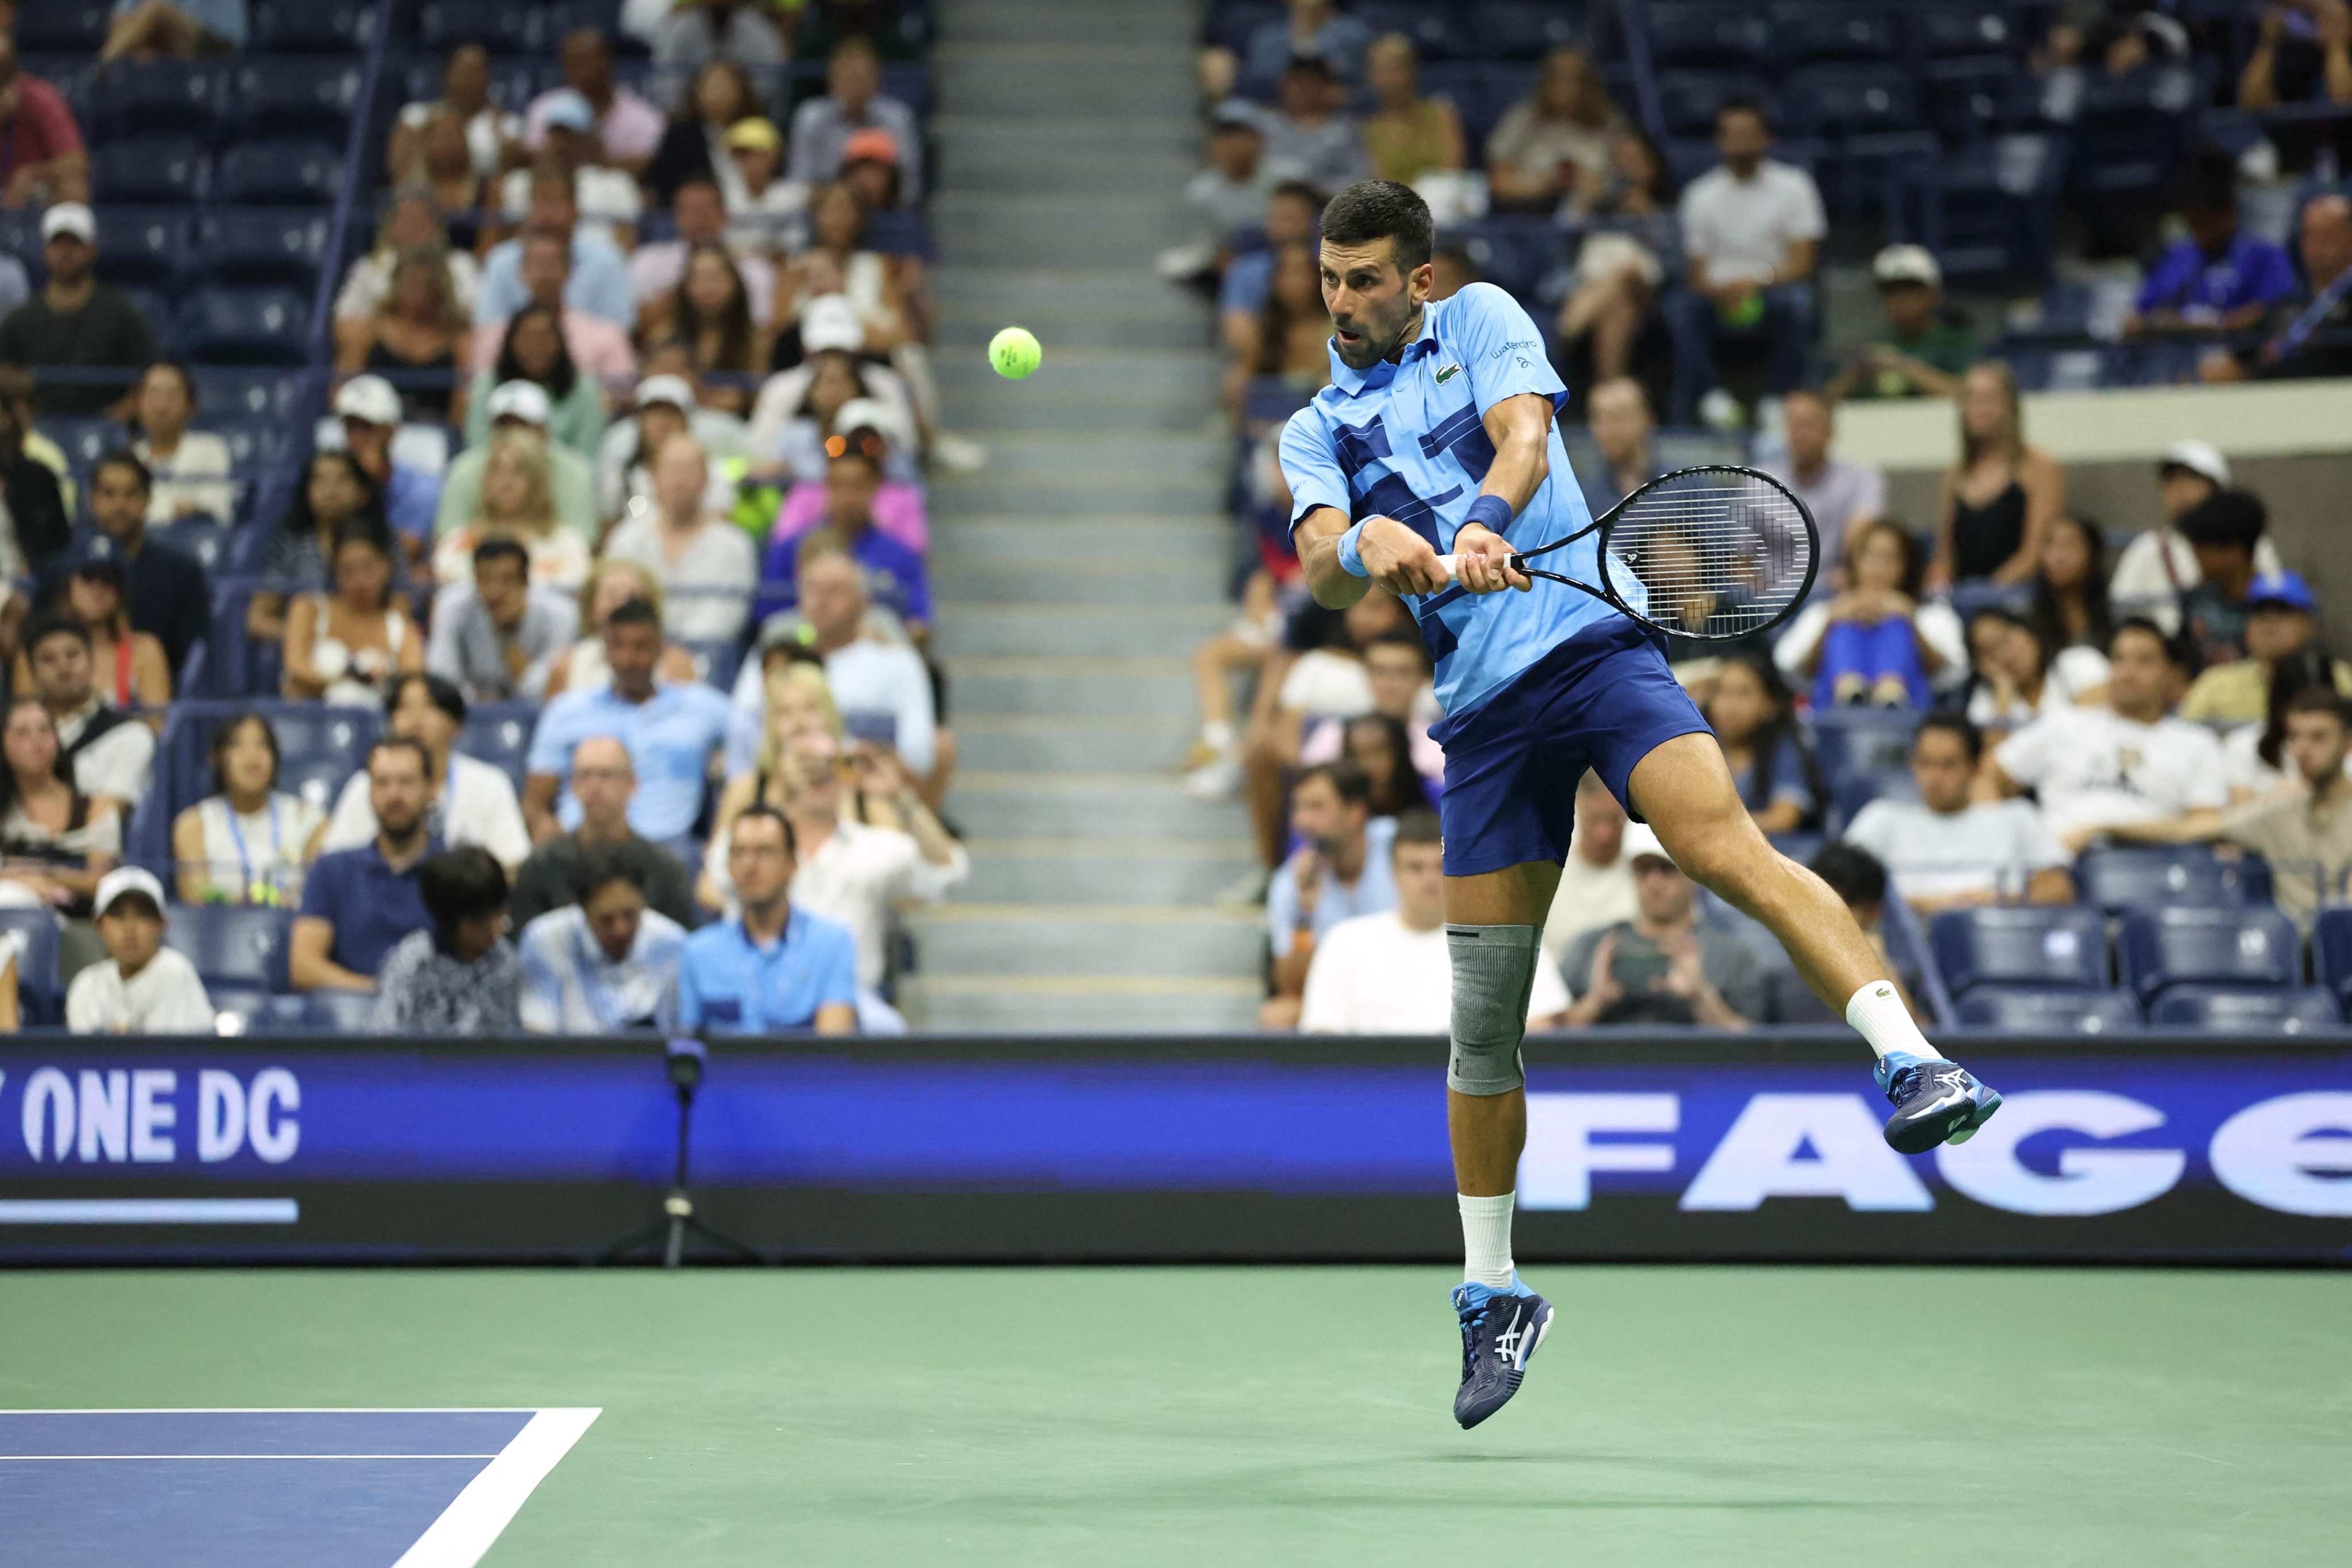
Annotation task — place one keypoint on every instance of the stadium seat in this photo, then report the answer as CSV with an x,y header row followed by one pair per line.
x,y
1977,96
294,172
255,443
1851,100
209,542
499,733
141,246
232,944
2331,952
899,233
294,98
1808,30
1947,28
2269,1010
1855,790
1985,209
1520,29
246,326
1232,22
312,26
339,1012
2168,946
274,396
1431,27
1688,101
715,662
63,27
84,441
2039,1010
500,29
38,994
1851,741
2121,879
262,246
160,169
157,98
1706,34
2020,945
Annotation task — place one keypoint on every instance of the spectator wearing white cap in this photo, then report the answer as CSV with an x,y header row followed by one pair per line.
x,y
572,481
1922,352
700,214
853,101
793,414
706,565
76,323
898,509
2158,566
370,413
1665,965
142,987
607,197
665,406
628,129
767,214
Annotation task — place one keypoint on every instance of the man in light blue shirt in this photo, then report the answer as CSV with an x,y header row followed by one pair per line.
x,y
600,278
1343,869
606,963
671,732
771,970
1437,437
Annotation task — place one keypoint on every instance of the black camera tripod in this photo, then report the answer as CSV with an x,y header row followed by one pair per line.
x,y
678,1221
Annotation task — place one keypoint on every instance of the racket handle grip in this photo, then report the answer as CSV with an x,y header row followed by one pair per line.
x,y
1451,565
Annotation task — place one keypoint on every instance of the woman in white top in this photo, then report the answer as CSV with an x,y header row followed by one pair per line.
x,y
191,468
473,801
347,646
581,666
249,842
55,842
2017,679
707,566
518,502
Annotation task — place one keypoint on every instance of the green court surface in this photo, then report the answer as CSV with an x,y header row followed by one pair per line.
x,y
1232,1416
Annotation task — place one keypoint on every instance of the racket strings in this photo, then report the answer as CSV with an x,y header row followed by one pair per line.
x,y
1711,555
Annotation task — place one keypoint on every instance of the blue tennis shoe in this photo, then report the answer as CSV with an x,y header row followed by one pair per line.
x,y
1500,1331
1936,1102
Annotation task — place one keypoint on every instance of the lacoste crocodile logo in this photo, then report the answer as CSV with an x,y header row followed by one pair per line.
x,y
1448,373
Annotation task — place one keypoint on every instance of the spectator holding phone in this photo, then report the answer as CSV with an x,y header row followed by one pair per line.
x,y
1664,966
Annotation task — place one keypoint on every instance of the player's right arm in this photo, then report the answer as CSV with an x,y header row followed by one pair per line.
x,y
1393,556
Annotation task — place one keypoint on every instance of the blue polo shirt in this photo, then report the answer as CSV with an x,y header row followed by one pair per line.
x,y
2251,271
728,984
411,498
1406,439
370,906
895,575
670,736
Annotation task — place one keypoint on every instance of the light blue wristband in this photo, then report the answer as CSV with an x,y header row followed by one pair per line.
x,y
1351,560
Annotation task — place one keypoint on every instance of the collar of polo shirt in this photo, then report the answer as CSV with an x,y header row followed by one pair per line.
x,y
1346,378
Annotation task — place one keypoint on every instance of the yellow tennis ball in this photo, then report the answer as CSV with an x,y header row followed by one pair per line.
x,y
1015,353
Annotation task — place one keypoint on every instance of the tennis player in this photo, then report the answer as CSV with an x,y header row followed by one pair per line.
x,y
1437,434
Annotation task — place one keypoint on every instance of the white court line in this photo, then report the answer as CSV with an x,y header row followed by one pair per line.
x,y
149,1211
18,1458
285,1410
469,1524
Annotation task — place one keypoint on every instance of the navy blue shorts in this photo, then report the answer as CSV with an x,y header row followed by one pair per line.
x,y
1603,699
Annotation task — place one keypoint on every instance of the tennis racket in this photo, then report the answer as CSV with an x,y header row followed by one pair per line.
x,y
1717,553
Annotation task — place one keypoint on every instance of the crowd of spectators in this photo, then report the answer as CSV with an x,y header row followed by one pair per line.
x,y
625,442
2059,687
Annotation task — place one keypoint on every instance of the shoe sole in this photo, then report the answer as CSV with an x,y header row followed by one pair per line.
x,y
1922,1136
1519,1373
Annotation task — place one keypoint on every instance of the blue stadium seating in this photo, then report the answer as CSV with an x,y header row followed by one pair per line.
x,y
2120,879
262,246
312,26
1706,34
158,169
2331,952
499,733
209,542
39,995
1945,27
290,172
2039,1010
1809,30
84,441
1520,29
141,246
253,443
1230,21
715,662
157,97
2269,1010
1431,27
1852,99
63,27
339,1012
1687,100
2168,946
233,945
1852,740
1982,96
246,326
500,29
295,97
275,396
1985,209
2020,945
1855,790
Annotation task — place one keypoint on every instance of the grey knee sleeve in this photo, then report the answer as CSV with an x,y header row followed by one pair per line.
x,y
1493,970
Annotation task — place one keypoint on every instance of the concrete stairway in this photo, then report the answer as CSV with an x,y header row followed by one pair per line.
x,y
1078,569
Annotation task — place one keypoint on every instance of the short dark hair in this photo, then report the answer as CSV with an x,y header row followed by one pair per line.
x,y
1348,780
1853,873
501,546
1369,209
761,811
1418,826
2209,183
1954,723
636,611
1741,103
408,743
460,883
56,623
2174,653
225,732
1398,637
2322,699
600,865
443,691
360,528
1298,190
2226,518
124,458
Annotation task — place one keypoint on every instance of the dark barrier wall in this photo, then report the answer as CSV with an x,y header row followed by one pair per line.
x,y
1659,1146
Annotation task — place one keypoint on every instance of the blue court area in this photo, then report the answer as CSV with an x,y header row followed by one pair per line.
x,y
269,1489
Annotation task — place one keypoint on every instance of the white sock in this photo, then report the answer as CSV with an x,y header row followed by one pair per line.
x,y
1219,733
1878,1015
1487,1239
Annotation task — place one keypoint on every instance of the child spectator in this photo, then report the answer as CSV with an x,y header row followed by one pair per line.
x,y
460,975
2000,497
1875,641
247,842
142,987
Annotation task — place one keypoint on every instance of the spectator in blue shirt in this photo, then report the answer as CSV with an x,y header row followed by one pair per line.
x,y
671,732
599,283
896,576
1341,869
2219,279
359,904
772,969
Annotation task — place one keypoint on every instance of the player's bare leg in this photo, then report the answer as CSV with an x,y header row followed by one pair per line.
x,y
1492,924
1684,790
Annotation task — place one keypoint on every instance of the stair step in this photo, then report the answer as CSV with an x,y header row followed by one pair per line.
x,y
1069,168
1043,453
1113,871
1144,136
1101,940
1148,805
1164,27
1069,687
1058,743
1073,491
1203,1007
1194,573
1086,370
1045,627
